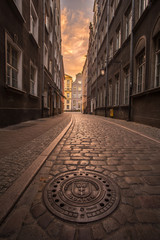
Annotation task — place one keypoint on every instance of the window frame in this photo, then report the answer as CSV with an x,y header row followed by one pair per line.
x,y
18,68
118,38
33,82
128,23
142,7
117,89
157,64
46,56
140,71
126,86
34,28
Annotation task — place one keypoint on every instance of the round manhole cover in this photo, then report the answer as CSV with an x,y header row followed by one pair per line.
x,y
81,196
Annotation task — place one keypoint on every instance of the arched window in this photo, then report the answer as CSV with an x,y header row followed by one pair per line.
x,y
140,62
156,41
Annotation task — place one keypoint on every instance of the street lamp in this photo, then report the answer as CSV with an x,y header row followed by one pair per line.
x,y
102,71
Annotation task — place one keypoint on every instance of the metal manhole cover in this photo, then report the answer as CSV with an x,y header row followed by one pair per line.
x,y
81,196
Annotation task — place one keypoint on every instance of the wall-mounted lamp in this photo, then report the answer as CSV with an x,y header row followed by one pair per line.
x,y
102,71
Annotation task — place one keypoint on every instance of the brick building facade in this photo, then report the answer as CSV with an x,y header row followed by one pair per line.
x,y
30,81
124,60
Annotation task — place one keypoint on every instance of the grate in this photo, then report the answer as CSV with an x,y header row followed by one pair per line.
x,y
81,196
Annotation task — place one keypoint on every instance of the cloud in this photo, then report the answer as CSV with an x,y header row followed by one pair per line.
x,y
75,33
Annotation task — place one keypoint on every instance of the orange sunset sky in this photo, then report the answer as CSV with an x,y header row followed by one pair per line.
x,y
75,18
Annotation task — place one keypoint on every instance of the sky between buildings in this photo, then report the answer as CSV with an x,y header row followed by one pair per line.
x,y
75,18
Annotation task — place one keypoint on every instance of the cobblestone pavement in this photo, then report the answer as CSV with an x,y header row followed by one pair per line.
x,y
20,145
92,144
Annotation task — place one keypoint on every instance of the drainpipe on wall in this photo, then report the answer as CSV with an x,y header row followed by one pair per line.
x,y
43,40
96,98
107,58
131,64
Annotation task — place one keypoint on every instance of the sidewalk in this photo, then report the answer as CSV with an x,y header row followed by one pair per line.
x,y
21,144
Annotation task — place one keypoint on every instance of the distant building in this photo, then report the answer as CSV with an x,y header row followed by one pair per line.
x,y
77,93
31,75
124,60
68,93
84,86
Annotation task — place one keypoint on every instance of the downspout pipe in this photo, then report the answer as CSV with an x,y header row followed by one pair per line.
x,y
43,41
107,26
131,64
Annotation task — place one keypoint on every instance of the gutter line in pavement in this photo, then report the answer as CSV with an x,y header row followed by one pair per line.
x,y
12,195
131,130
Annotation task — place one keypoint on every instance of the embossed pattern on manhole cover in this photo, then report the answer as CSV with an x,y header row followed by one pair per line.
x,y
81,196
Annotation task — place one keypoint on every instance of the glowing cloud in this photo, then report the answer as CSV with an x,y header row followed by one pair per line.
x,y
75,33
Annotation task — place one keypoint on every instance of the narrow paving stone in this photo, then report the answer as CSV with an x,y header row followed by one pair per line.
x,y
68,233
84,233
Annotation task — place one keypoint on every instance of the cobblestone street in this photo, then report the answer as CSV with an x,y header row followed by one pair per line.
x,y
124,152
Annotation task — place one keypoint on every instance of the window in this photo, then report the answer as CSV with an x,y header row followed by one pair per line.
x,y
67,106
51,36
111,49
116,3
13,64
45,56
79,105
67,101
118,38
157,63
46,19
33,22
117,90
51,5
126,86
33,79
79,89
128,23
140,72
50,66
18,3
142,6
110,94
112,9
67,95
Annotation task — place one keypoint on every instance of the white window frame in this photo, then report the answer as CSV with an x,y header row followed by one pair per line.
x,y
118,38
157,63
45,56
142,6
10,68
51,66
140,72
33,82
46,19
128,23
112,10
34,21
117,88
126,86
111,49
